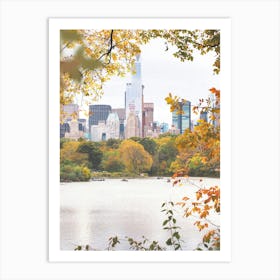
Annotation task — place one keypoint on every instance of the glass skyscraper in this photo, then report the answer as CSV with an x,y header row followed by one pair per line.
x,y
98,113
134,95
182,120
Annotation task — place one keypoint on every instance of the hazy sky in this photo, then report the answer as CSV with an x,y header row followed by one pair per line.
x,y
163,73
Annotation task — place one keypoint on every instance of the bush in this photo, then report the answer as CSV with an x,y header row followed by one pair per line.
x,y
73,173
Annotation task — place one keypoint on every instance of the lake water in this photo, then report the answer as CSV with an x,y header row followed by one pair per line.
x,y
92,212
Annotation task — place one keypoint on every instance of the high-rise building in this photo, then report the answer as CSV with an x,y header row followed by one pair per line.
x,y
98,132
182,119
82,125
64,128
148,118
121,114
71,127
74,132
132,128
113,126
98,113
134,96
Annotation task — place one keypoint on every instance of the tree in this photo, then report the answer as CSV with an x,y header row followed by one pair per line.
x,y
149,145
69,153
199,150
112,162
166,153
94,153
73,173
134,157
113,143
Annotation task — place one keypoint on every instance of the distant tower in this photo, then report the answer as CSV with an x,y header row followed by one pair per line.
x,y
134,95
132,128
113,126
121,114
182,120
148,117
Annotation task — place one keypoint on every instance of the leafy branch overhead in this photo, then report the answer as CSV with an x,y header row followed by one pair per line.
x,y
187,41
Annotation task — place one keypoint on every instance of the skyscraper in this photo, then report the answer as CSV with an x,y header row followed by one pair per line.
x,y
132,128
121,114
113,126
98,113
148,118
134,96
182,120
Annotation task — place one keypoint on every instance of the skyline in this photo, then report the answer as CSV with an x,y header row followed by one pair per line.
x,y
163,73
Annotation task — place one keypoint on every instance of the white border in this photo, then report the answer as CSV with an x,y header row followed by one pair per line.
x,y
55,254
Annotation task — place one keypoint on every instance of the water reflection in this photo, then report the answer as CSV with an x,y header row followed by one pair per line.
x,y
92,212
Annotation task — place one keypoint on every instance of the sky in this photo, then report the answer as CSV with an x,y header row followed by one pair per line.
x,y
163,73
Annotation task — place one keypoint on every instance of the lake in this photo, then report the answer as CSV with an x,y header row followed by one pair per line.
x,y
92,212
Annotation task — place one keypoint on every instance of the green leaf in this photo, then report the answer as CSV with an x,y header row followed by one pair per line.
x,y
168,241
176,235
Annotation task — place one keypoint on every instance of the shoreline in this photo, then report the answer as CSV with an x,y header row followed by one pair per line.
x,y
100,179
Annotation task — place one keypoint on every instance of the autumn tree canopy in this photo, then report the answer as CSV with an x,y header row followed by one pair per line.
x,y
134,157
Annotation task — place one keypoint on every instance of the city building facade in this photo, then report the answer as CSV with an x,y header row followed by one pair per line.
x,y
132,128
121,114
98,132
98,113
148,118
182,119
74,132
113,126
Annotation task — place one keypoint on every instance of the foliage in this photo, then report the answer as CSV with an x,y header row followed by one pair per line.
x,y
73,173
111,161
91,57
206,202
170,225
166,153
69,152
134,157
62,141
199,151
92,149
148,143
113,143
